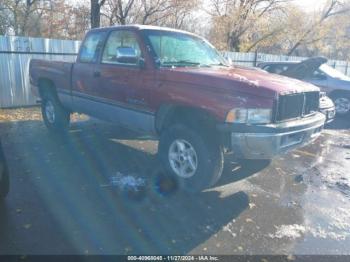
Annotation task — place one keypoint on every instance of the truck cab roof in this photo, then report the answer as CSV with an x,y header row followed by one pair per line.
x,y
141,27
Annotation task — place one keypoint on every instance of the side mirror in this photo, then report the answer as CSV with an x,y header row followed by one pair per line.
x,y
127,55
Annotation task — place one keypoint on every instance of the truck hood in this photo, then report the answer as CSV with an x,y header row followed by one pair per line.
x,y
238,79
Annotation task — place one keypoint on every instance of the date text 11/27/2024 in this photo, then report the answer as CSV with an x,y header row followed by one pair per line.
x,y
173,258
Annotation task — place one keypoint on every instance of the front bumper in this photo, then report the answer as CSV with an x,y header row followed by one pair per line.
x,y
329,113
267,141
327,108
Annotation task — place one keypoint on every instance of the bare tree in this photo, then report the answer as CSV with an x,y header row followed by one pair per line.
x,y
4,21
238,16
137,11
96,12
331,9
119,11
171,13
22,16
28,9
154,11
64,20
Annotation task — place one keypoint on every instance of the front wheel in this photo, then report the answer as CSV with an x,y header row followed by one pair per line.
x,y
194,159
56,118
342,104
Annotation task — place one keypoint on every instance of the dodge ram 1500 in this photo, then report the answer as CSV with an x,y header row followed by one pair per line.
x,y
176,86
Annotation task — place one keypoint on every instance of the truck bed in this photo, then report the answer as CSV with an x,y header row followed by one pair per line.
x,y
58,72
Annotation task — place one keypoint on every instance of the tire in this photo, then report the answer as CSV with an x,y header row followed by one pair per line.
x,y
342,104
4,177
56,118
199,174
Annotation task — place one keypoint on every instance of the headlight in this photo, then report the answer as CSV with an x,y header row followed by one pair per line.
x,y
249,116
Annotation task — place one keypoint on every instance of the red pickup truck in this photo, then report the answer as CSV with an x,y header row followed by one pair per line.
x,y
177,87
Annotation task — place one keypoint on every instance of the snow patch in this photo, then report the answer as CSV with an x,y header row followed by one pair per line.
x,y
289,231
297,231
127,182
230,228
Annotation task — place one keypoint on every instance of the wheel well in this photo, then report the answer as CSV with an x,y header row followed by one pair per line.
x,y
46,86
170,114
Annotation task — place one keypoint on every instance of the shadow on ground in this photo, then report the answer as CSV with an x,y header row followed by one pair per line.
x,y
60,204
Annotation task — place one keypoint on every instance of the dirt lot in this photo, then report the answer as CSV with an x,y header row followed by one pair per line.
x,y
62,202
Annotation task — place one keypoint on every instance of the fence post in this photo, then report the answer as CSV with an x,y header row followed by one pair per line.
x,y
347,68
335,64
256,58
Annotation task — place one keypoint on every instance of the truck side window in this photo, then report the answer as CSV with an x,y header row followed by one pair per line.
x,y
91,47
121,48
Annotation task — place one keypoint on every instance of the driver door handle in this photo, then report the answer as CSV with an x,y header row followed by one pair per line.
x,y
97,74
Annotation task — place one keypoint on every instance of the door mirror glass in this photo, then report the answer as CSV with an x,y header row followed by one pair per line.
x,y
126,55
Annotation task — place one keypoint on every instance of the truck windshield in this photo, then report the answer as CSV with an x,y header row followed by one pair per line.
x,y
173,49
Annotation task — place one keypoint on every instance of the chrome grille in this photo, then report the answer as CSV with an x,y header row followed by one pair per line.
x,y
312,103
296,105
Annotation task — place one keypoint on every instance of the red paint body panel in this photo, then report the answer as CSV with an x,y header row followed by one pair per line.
x,y
216,90
56,71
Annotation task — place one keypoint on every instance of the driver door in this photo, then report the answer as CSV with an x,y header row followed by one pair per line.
x,y
123,93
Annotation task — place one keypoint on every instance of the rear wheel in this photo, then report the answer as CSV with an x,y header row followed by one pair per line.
x,y
193,158
56,118
342,104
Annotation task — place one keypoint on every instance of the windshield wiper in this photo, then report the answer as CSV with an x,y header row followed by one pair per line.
x,y
191,63
181,62
218,64
188,62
